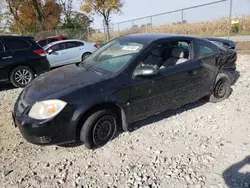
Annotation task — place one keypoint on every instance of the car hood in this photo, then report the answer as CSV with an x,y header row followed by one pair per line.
x,y
69,78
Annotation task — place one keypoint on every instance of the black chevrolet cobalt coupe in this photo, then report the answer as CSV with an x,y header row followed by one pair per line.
x,y
126,80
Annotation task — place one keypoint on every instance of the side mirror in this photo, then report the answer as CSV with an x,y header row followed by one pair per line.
x,y
145,71
50,51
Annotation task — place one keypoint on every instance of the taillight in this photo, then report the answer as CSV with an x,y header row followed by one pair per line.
x,y
40,52
97,46
236,58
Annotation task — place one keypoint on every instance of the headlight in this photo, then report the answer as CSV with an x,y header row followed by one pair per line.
x,y
46,109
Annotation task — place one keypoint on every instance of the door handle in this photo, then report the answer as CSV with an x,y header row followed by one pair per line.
x,y
7,57
192,73
63,52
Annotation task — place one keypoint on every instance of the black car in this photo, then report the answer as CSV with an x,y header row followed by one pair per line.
x,y
229,44
21,59
126,80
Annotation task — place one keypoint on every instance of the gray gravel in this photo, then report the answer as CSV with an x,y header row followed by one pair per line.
x,y
194,146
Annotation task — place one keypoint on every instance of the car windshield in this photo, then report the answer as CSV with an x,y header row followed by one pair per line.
x,y
114,56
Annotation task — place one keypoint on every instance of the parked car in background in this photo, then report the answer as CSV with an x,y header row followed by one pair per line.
x,y
21,59
69,51
126,80
229,44
48,40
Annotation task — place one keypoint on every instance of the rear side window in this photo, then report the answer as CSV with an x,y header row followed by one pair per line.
x,y
42,43
17,44
73,44
204,50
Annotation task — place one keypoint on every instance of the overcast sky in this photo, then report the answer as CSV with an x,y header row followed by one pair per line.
x,y
140,8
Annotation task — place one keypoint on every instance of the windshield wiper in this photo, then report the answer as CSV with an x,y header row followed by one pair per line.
x,y
90,68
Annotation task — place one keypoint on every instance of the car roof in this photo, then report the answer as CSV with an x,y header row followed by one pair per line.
x,y
218,39
152,37
62,41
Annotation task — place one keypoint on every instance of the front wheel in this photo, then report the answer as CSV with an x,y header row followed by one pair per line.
x,y
21,76
99,128
222,89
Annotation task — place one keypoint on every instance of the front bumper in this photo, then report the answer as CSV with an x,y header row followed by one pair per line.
x,y
57,130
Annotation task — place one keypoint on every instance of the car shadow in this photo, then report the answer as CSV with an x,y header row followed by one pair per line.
x,y
234,178
167,114
149,120
6,86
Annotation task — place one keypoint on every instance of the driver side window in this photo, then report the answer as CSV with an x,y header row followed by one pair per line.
x,y
57,47
167,55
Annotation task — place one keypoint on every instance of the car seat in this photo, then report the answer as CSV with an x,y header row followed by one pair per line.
x,y
177,57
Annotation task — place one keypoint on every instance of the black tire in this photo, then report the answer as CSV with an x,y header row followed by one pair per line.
x,y
85,56
222,89
99,128
21,76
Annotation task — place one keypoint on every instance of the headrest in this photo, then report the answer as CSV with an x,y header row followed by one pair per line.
x,y
157,52
178,52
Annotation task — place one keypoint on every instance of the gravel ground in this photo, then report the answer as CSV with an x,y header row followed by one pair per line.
x,y
198,145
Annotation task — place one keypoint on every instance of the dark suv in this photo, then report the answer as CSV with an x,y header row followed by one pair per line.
x,y
21,59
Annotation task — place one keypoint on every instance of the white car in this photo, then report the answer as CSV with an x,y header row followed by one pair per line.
x,y
68,51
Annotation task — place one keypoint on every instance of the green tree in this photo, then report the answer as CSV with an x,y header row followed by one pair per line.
x,y
104,8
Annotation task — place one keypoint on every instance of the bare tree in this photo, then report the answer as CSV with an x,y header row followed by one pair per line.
x,y
67,8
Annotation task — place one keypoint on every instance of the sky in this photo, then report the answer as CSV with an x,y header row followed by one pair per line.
x,y
139,8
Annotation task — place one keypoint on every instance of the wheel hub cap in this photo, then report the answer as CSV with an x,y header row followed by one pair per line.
x,y
23,76
221,89
104,130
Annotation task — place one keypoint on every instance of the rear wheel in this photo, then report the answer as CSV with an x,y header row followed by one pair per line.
x,y
99,128
222,89
85,56
21,76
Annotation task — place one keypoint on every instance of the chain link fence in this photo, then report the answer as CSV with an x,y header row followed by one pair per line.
x,y
76,33
201,20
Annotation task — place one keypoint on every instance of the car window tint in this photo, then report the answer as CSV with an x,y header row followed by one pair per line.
x,y
17,44
42,43
52,40
57,47
72,44
204,50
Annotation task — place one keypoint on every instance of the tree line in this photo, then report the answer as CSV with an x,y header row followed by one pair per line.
x,y
31,16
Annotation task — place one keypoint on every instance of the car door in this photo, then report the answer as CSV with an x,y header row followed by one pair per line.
x,y
143,97
74,51
172,87
6,60
56,55
189,80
